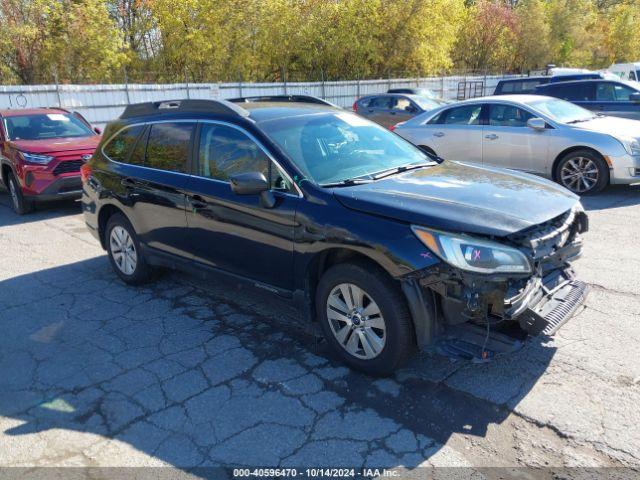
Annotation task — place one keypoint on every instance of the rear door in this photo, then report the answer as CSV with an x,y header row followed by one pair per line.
x,y
238,233
508,142
612,98
154,180
379,110
456,133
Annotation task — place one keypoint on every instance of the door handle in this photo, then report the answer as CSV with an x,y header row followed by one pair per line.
x,y
438,134
492,136
197,202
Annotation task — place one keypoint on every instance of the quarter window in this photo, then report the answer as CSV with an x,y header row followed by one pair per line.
x,y
119,146
508,116
381,102
168,146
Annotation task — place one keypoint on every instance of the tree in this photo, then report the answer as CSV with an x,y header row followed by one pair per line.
x,y
624,32
577,33
533,44
23,37
84,44
487,39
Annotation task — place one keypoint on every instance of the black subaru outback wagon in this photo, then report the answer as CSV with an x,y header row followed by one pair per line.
x,y
385,248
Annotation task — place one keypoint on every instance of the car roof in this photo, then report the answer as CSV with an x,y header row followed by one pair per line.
x,y
19,112
387,94
523,79
522,98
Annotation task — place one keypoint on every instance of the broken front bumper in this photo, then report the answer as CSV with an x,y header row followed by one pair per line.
x,y
553,304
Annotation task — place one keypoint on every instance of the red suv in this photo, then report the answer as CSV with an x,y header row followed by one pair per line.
x,y
41,152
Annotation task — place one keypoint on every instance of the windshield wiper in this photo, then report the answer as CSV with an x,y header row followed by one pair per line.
x,y
578,120
402,168
347,182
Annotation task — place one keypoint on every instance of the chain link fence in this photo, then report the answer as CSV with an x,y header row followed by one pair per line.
x,y
103,103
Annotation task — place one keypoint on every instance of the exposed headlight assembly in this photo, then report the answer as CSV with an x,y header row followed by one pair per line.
x,y
36,158
473,254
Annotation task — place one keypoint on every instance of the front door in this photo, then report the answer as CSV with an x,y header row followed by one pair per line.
x,y
612,98
507,141
239,233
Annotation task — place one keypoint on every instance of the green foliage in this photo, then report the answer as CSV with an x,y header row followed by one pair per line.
x,y
272,40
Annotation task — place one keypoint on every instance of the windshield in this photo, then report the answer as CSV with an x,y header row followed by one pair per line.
x,y
335,147
561,111
43,126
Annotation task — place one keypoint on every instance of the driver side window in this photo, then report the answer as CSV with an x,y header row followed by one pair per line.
x,y
225,151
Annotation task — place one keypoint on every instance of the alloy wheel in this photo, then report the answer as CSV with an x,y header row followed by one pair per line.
x,y
356,321
579,174
123,250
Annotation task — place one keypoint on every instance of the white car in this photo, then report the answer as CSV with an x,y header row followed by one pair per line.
x,y
626,71
546,136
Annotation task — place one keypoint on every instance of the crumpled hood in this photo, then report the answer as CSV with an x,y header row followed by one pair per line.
x,y
614,126
53,145
462,198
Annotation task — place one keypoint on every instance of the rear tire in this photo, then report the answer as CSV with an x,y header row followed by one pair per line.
x,y
20,204
583,172
124,251
365,318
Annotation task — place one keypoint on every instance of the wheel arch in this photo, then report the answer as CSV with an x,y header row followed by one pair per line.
x,y
566,151
418,303
105,213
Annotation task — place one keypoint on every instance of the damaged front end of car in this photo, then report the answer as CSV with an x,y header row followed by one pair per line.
x,y
523,281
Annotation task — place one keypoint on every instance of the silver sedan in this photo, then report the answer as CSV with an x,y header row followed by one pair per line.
x,y
546,136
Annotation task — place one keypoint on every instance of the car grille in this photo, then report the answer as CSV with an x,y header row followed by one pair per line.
x,y
68,166
542,240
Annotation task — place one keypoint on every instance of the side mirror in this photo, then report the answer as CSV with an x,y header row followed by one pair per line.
x,y
536,123
250,183
635,97
97,130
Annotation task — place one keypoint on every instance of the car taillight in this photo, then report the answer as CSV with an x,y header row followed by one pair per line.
x,y
85,172
355,106
393,127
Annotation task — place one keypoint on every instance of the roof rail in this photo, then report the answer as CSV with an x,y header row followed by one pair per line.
x,y
283,98
172,106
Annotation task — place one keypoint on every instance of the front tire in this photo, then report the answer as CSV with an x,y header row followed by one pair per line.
x,y
583,172
124,251
365,318
20,204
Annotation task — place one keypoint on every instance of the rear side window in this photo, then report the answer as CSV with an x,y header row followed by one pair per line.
x,y
119,147
168,146
226,151
381,102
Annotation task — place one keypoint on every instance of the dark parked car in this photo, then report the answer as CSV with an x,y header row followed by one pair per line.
x,y
41,151
389,109
527,85
617,98
384,248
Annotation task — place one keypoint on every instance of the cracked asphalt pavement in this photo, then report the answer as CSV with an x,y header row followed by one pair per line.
x,y
186,373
